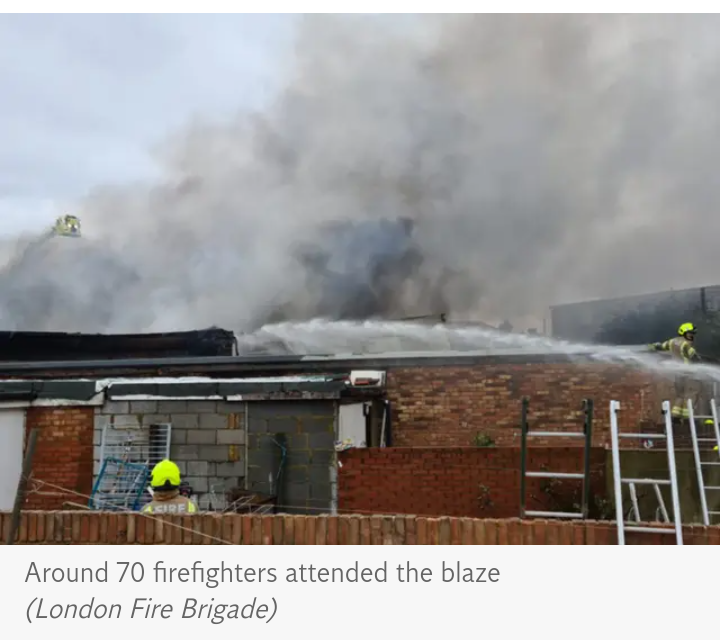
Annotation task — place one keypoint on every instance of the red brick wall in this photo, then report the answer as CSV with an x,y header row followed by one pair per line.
x,y
63,455
117,528
463,482
448,406
432,406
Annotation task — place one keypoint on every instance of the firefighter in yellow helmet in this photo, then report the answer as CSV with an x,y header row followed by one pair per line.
x,y
681,348
165,484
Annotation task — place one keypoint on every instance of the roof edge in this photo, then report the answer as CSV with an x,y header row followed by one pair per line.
x,y
305,364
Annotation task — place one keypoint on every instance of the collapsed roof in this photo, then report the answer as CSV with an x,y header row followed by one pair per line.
x,y
31,346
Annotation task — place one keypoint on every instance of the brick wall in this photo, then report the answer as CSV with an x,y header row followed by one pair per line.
x,y
449,406
432,406
69,527
207,439
63,455
464,482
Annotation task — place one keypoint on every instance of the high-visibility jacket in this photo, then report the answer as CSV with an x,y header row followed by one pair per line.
x,y
176,505
680,349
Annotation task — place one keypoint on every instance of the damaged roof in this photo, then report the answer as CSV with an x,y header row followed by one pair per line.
x,y
96,392
214,352
252,366
26,346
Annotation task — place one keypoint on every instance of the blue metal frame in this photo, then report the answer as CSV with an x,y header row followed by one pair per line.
x,y
143,470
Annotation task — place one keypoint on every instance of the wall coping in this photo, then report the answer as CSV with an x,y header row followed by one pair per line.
x,y
86,527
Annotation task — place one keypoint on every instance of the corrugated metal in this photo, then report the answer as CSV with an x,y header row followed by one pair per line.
x,y
585,321
712,298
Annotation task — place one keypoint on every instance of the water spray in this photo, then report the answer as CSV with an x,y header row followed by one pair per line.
x,y
318,337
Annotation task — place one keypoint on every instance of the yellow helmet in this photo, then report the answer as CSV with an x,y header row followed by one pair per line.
x,y
688,327
165,475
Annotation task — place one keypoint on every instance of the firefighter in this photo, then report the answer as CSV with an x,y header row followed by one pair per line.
x,y
165,484
681,348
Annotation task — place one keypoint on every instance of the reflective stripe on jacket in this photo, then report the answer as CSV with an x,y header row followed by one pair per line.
x,y
679,348
175,506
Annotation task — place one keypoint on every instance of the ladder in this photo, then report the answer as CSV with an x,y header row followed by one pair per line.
x,y
661,514
700,464
586,433
618,480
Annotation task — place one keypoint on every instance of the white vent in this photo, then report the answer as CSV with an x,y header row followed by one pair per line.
x,y
367,378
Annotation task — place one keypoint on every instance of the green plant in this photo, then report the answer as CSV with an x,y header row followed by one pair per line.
x,y
603,510
483,440
484,497
567,497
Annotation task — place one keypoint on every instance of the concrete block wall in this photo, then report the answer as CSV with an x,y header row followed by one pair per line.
x,y
207,440
309,428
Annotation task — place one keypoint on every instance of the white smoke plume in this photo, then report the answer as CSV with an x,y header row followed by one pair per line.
x,y
542,159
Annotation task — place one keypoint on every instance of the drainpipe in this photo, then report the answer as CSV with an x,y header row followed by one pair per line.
x,y
335,464
388,423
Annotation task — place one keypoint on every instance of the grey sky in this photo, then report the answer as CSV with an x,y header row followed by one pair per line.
x,y
86,97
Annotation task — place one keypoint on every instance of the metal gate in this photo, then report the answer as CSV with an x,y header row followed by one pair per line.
x,y
291,454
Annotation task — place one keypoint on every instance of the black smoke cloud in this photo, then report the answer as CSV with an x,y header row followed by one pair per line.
x,y
539,158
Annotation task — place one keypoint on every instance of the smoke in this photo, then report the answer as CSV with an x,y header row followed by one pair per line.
x,y
541,159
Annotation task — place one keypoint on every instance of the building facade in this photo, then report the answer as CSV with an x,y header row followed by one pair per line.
x,y
273,426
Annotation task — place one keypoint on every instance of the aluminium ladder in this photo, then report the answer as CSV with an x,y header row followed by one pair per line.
x,y
661,514
618,480
586,433
700,464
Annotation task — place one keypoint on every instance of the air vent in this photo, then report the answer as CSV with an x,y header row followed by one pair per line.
x,y
367,378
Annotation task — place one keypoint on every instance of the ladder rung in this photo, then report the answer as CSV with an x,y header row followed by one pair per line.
x,y
553,514
705,418
548,474
657,436
706,440
714,513
646,481
712,488
649,530
554,434
710,464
